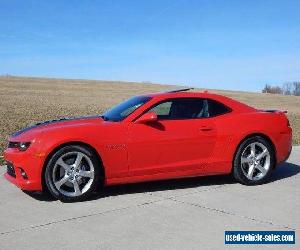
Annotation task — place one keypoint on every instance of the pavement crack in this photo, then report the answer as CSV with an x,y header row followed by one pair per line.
x,y
173,198
79,217
189,193
230,213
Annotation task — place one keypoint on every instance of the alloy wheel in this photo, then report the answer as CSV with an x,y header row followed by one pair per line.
x,y
255,161
73,174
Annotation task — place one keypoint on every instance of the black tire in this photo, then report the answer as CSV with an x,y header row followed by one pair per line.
x,y
239,168
88,156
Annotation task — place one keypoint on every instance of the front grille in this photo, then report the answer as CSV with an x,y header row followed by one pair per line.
x,y
10,169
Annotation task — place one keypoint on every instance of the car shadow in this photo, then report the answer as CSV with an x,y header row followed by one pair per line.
x,y
165,185
283,171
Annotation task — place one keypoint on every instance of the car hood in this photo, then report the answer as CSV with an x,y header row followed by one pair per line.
x,y
33,130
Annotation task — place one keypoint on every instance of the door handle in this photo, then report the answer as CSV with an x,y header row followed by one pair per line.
x,y
206,128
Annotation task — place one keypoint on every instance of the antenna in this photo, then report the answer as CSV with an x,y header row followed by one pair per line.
x,y
178,90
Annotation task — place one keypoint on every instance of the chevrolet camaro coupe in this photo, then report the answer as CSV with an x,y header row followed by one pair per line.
x,y
150,137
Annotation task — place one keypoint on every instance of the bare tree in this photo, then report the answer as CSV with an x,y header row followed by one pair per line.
x,y
288,88
296,88
272,89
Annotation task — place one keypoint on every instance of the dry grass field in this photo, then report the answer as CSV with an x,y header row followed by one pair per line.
x,y
24,101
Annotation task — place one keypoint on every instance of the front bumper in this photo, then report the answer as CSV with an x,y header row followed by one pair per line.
x,y
28,163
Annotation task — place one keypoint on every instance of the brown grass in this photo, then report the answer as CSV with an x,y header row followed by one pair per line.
x,y
24,101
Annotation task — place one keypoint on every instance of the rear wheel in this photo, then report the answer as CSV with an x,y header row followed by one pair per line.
x,y
254,161
72,173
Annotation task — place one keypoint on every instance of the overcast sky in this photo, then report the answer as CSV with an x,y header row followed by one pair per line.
x,y
239,45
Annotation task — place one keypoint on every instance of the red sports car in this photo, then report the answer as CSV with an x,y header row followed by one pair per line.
x,y
149,137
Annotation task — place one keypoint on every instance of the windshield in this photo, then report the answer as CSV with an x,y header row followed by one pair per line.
x,y
124,109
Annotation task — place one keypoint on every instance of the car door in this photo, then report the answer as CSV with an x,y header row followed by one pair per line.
x,y
182,139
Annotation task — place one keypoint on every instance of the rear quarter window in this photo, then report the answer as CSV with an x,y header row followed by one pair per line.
x,y
216,108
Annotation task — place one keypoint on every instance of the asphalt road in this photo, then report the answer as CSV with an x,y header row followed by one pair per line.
x,y
177,214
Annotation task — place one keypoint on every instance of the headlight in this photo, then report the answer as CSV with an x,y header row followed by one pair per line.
x,y
22,146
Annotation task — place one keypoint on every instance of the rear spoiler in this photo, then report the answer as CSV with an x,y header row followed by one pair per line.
x,y
274,111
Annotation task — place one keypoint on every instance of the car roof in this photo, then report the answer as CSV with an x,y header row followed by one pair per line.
x,y
236,105
181,94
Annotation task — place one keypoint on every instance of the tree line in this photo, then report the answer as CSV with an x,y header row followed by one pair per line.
x,y
289,88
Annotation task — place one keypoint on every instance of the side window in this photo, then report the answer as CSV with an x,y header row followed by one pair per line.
x,y
162,109
216,108
181,108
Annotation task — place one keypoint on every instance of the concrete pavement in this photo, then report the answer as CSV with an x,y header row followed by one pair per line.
x,y
176,214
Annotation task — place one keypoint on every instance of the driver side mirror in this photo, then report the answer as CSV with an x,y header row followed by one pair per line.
x,y
147,118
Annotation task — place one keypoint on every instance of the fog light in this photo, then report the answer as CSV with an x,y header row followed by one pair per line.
x,y
24,175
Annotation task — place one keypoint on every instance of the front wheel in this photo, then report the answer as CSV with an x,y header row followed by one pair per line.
x,y
72,173
254,161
